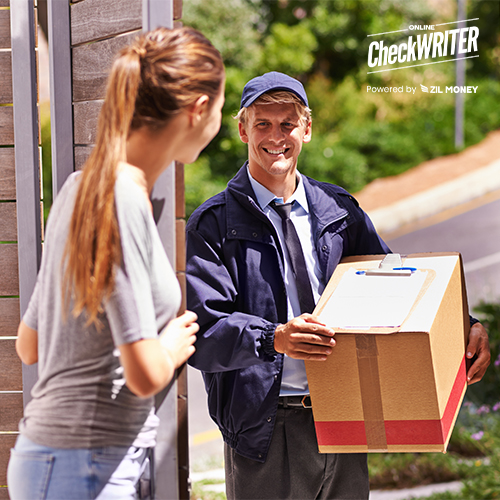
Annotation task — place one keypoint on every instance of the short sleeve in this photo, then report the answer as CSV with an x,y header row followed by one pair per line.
x,y
130,308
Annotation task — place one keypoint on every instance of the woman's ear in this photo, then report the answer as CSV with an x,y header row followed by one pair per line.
x,y
198,109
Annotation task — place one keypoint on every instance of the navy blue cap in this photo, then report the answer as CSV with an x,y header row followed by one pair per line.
x,y
271,81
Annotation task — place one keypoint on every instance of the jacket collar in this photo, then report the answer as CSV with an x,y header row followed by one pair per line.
x,y
324,211
242,199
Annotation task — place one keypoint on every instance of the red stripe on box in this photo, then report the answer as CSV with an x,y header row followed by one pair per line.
x,y
341,433
414,432
455,397
398,432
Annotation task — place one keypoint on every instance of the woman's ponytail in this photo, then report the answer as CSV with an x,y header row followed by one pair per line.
x,y
93,246
151,81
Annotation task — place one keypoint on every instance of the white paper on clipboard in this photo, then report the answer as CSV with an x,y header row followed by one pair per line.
x,y
363,302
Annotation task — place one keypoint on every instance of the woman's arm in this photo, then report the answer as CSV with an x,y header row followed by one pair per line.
x,y
27,344
150,364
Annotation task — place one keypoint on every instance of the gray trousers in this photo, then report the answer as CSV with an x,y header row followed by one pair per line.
x,y
294,468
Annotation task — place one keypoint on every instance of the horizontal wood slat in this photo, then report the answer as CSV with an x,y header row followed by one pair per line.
x,y
4,3
9,316
97,19
11,411
8,222
4,29
85,117
11,378
9,279
4,493
5,78
81,155
6,125
7,442
91,65
7,174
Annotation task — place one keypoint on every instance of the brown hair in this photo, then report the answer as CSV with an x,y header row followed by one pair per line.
x,y
156,77
279,97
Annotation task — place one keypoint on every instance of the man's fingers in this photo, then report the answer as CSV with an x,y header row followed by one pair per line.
x,y
478,368
478,347
309,352
472,346
301,338
309,346
304,329
310,318
308,324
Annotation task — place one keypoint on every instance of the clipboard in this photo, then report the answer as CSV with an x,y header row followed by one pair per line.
x,y
381,272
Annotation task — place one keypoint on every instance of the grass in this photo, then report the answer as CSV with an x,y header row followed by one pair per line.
x,y
201,491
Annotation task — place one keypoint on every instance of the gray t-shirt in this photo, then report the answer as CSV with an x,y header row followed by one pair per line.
x,y
80,399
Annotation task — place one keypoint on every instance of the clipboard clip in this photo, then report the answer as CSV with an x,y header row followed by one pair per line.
x,y
391,265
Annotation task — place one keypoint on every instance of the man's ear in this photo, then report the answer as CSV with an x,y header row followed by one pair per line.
x,y
243,133
308,132
198,109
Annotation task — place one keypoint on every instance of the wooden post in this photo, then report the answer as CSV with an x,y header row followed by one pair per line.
x,y
172,465
156,13
61,106
27,157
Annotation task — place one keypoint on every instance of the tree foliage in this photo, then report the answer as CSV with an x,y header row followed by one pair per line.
x,y
357,135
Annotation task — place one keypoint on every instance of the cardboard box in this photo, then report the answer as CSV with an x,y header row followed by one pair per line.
x,y
395,389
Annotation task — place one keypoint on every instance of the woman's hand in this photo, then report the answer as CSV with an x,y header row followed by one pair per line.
x,y
150,364
178,338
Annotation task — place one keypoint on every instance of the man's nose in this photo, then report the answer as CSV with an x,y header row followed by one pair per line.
x,y
276,133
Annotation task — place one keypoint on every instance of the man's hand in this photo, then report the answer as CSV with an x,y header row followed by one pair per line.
x,y
479,347
304,337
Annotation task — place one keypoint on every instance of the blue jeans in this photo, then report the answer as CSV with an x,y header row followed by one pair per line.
x,y
38,472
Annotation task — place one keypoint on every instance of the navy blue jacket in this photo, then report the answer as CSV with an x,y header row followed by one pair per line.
x,y
235,284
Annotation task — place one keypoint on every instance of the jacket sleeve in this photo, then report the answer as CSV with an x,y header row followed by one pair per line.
x,y
228,339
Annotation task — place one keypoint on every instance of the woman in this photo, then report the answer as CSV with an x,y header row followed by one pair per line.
x,y
105,288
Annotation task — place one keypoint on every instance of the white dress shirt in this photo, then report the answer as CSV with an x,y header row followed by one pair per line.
x,y
294,381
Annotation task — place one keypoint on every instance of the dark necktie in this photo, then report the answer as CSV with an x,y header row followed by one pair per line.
x,y
299,268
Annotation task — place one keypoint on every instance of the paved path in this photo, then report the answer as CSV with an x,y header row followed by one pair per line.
x,y
433,187
418,492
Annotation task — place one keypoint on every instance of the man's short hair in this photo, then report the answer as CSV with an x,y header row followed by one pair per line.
x,y
279,97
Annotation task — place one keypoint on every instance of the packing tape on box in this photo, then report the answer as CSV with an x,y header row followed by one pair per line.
x,y
369,379
371,397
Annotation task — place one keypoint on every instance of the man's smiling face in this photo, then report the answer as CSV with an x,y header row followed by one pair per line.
x,y
274,134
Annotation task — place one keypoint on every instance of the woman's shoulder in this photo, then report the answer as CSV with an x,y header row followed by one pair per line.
x,y
70,185
130,191
132,206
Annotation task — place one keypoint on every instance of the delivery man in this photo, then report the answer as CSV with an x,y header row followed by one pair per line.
x,y
259,255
